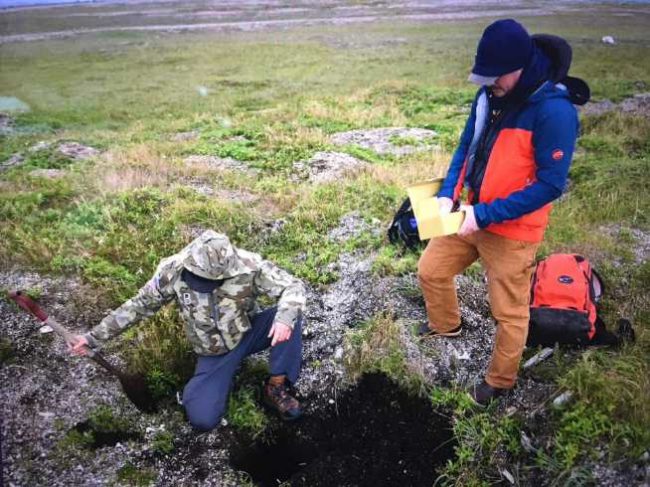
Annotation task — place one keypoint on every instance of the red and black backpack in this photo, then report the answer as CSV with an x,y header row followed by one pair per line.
x,y
564,292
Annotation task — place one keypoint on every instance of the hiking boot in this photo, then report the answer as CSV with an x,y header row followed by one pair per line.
x,y
280,400
483,394
424,331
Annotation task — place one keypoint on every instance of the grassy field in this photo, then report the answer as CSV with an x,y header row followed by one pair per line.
x,y
272,98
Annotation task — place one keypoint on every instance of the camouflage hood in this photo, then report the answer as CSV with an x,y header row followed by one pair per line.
x,y
211,256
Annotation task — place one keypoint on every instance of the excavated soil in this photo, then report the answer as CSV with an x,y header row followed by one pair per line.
x,y
374,434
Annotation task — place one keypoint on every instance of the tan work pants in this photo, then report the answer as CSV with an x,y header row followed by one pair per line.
x,y
509,265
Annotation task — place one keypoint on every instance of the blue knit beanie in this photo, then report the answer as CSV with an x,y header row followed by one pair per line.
x,y
504,47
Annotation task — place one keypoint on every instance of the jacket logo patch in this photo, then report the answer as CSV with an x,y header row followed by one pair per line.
x,y
557,154
565,279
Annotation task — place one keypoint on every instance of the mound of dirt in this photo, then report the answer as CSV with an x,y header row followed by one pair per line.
x,y
393,140
325,167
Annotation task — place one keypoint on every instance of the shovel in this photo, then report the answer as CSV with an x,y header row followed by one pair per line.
x,y
134,385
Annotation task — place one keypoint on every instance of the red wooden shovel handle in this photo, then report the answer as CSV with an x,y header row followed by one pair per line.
x,y
28,304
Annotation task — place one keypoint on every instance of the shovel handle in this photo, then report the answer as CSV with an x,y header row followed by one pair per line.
x,y
29,305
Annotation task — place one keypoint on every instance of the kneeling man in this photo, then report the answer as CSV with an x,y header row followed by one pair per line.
x,y
216,286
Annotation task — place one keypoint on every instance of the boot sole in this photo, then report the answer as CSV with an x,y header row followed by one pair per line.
x,y
433,334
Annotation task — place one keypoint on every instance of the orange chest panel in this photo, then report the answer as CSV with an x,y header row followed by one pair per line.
x,y
511,165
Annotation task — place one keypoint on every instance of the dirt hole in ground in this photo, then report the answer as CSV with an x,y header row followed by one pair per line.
x,y
375,434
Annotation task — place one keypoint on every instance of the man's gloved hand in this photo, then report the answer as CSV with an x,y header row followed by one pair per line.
x,y
469,225
445,205
79,346
280,333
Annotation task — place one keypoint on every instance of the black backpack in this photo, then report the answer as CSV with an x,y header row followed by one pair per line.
x,y
404,228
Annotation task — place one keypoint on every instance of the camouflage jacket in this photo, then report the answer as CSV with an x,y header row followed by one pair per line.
x,y
214,322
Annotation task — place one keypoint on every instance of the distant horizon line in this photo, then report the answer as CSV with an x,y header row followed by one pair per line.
x,y
7,4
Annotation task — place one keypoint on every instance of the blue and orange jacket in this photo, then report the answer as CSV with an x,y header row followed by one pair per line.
x,y
527,164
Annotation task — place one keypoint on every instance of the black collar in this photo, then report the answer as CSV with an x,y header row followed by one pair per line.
x,y
200,284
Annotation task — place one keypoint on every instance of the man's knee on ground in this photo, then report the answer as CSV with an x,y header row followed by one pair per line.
x,y
204,422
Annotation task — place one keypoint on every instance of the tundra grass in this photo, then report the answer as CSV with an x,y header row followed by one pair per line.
x,y
269,99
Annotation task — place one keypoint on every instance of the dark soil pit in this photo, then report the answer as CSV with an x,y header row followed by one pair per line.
x,y
375,434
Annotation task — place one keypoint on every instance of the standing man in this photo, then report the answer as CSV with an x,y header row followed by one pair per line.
x,y
513,159
216,286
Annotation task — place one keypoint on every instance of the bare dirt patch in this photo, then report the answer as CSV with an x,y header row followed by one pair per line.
x,y
374,434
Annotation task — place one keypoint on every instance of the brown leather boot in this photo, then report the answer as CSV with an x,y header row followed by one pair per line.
x,y
277,397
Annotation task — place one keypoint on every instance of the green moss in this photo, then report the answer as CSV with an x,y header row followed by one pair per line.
x,y
161,352
131,475
394,261
486,441
7,352
376,346
102,419
75,440
245,413
163,443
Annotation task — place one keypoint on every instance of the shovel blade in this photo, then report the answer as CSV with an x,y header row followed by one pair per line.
x,y
136,389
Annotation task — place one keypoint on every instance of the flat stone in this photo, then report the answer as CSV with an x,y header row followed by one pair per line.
x,y
6,124
325,167
382,140
76,151
13,161
47,173
39,146
219,163
352,225
185,136
638,105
